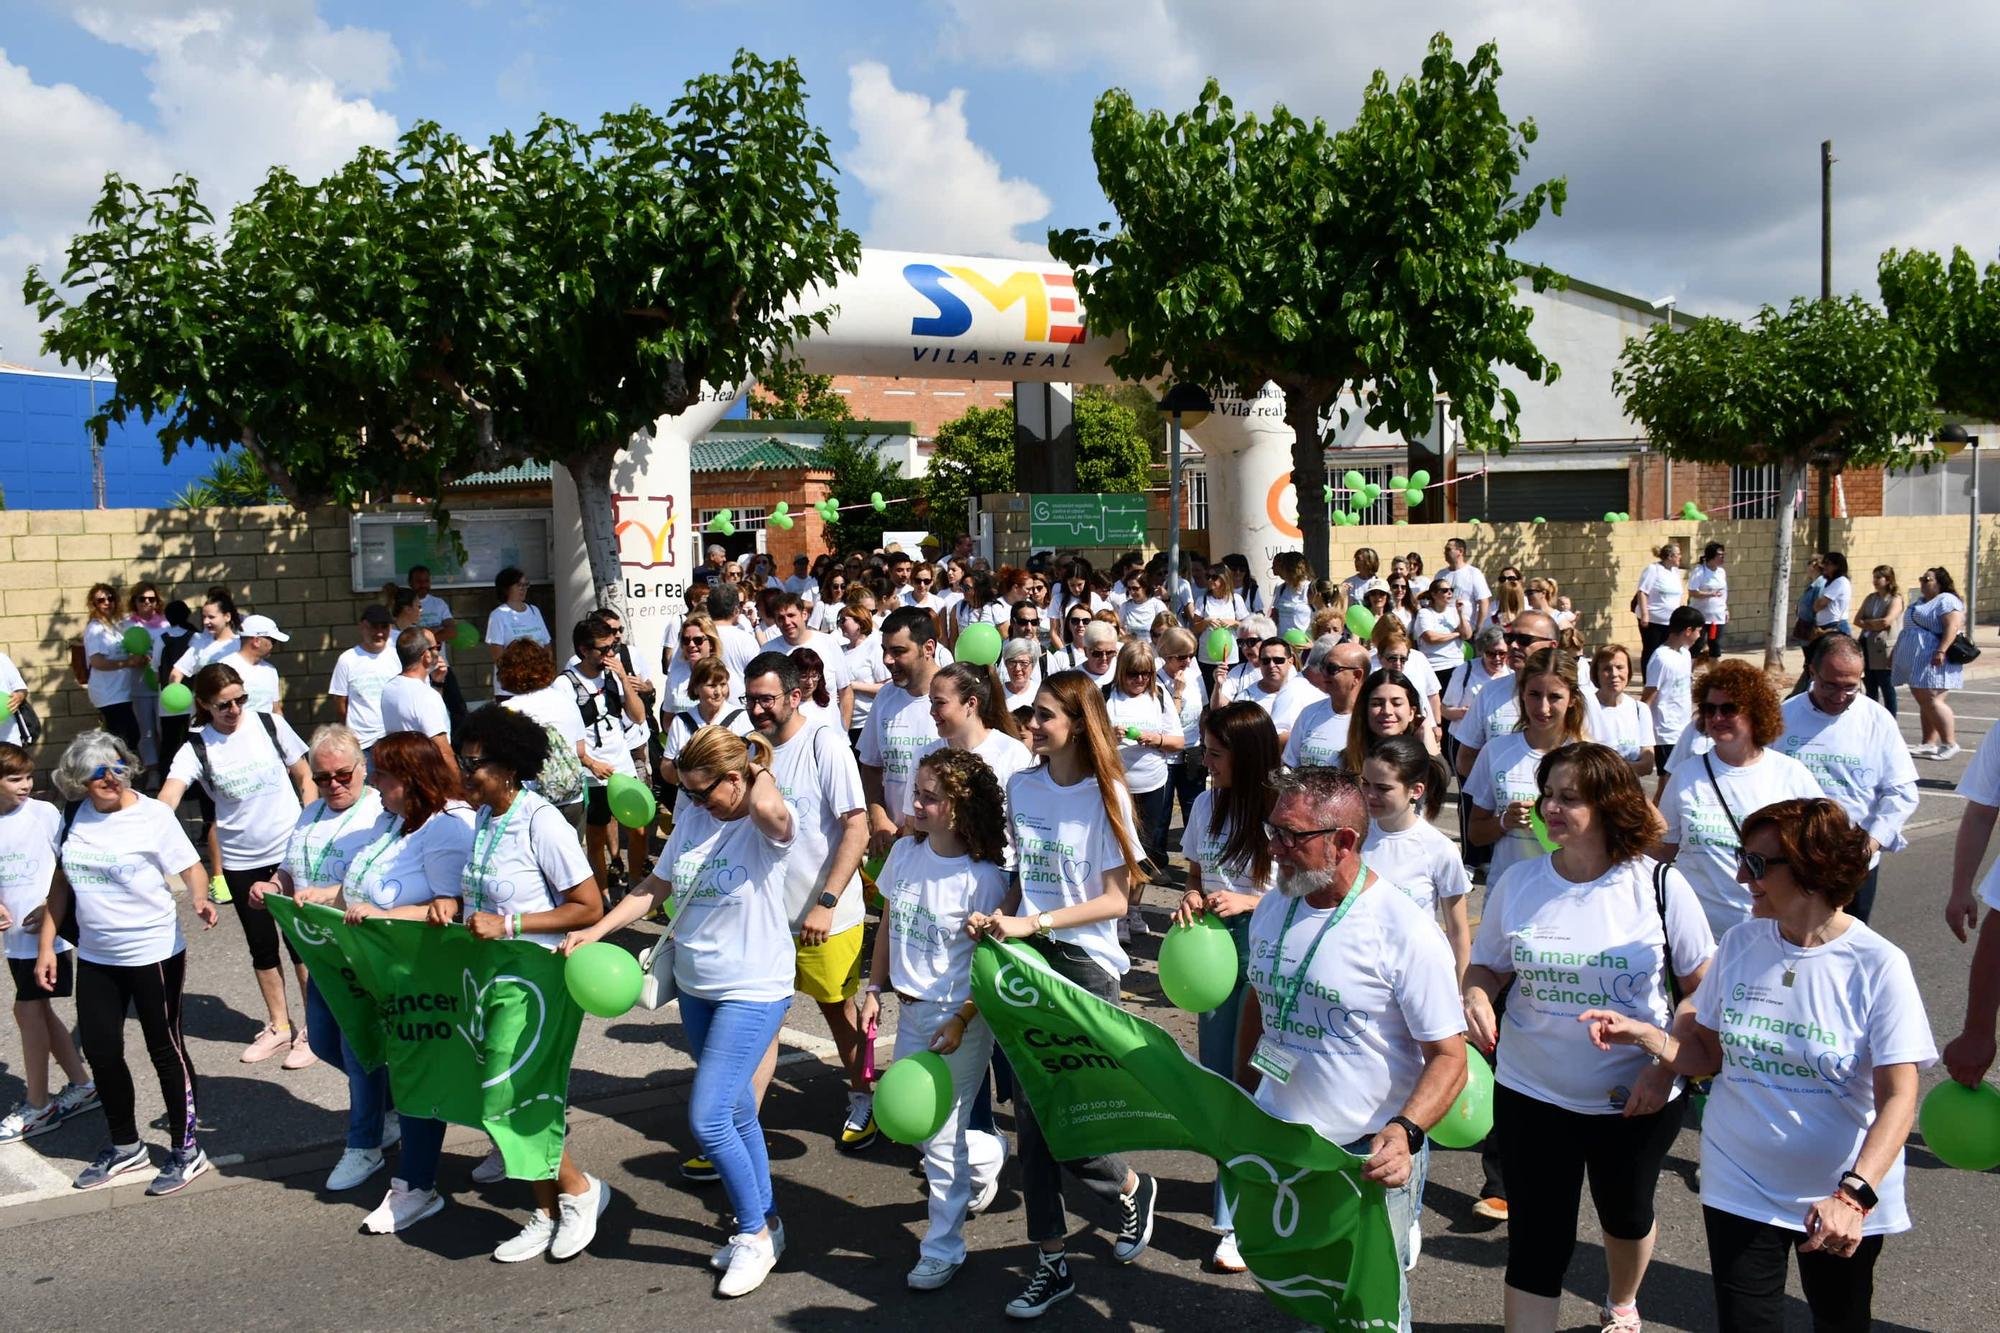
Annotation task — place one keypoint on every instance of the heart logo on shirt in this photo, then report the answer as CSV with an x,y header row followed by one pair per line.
x,y
729,878
1346,1024
1075,870
1834,1067
1626,986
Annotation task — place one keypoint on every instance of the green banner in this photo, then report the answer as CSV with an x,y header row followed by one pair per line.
x,y
1086,520
1314,1233
474,1032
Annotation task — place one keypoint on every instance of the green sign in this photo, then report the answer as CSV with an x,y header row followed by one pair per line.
x,y
1086,520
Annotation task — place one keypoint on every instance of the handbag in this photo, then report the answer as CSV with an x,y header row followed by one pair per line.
x,y
657,989
1960,650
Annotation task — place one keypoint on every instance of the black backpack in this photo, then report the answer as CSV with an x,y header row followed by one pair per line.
x,y
200,748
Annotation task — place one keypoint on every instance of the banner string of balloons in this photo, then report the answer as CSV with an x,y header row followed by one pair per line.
x,y
1360,493
781,516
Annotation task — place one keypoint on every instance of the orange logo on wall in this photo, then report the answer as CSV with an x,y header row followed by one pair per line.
x,y
657,547
1285,519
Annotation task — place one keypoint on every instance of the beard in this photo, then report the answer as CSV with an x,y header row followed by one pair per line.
x,y
1303,883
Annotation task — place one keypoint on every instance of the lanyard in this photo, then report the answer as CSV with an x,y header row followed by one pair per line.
x,y
1288,995
482,864
382,844
316,866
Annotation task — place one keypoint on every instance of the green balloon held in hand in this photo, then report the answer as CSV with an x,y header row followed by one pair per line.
x,y
1470,1118
914,1097
1961,1125
1360,621
1298,638
1198,964
631,800
603,979
978,645
136,641
1215,645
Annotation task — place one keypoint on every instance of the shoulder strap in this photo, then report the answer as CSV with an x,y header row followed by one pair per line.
x,y
1670,975
271,730
1706,757
205,775
729,718
70,809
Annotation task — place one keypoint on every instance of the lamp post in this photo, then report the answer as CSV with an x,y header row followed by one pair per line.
x,y
1184,405
1665,305
1950,439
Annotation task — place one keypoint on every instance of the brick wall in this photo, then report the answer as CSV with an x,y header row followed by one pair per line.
x,y
762,488
291,566
925,403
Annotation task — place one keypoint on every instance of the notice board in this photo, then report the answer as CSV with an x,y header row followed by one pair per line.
x,y
384,546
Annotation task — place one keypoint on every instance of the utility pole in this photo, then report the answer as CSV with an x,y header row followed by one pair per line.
x,y
1825,294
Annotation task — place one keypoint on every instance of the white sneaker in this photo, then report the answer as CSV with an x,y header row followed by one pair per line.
x,y
355,1165
25,1121
532,1241
751,1259
1927,750
491,1169
985,1179
719,1261
77,1098
1951,751
576,1218
401,1208
930,1274
1227,1258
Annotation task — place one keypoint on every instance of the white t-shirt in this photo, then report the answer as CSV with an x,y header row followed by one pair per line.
x,y
1064,844
605,735
966,615
1859,759
10,681
1381,982
739,645
1571,947
1220,608
1448,654
1153,713
680,697
1137,616
504,625
1661,587
28,836
260,680
1839,594
410,870
1468,685
360,676
554,705
1703,578
1319,737
863,664
682,728
108,686
117,866
1421,677
1194,698
1468,588
1291,699
1626,726
1699,826
1796,1093
410,704
803,586
256,801
325,842
899,727
1420,861
1002,753
926,899
1205,849
1981,783
432,611
821,782
1291,608
1493,714
832,655
732,938
1670,672
1505,773
201,650
524,861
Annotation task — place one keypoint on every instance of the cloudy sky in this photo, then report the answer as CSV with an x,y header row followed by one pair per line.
x,y
1689,133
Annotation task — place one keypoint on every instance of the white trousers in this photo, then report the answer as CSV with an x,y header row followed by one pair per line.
x,y
950,1156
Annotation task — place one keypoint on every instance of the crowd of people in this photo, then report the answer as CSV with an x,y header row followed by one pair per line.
x,y
1699,954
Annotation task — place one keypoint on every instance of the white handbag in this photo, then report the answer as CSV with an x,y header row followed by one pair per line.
x,y
656,986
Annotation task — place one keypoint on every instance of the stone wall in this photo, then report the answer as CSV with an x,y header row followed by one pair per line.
x,y
294,567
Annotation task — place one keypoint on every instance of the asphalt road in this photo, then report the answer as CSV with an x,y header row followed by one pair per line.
x,y
257,1244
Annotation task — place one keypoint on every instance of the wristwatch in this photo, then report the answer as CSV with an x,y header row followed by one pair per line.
x,y
829,900
1416,1135
1045,924
1857,1185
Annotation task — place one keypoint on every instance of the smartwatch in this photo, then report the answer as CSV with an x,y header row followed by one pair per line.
x,y
1857,1185
829,900
1416,1135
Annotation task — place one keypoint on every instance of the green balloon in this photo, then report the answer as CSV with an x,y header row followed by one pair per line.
x,y
1624,517
1361,621
1372,491
1298,638
603,979
631,800
137,642
872,867
465,636
1540,519
176,699
881,505
913,1098
978,644
1610,516
152,681
1353,480
1198,964
1541,830
1215,645
6,710
782,520
1470,1118
1420,479
1961,1125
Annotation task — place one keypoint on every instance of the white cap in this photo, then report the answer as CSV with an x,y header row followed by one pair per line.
x,y
263,627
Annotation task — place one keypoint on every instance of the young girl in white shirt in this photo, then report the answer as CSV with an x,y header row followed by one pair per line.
x,y
931,884
1404,784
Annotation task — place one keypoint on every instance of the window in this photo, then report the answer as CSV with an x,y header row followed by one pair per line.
x,y
1196,518
744,519
1753,491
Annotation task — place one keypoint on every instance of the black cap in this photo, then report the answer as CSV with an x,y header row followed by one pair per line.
x,y
376,614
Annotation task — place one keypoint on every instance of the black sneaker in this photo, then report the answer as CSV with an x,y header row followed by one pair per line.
x,y
1050,1284
1135,1232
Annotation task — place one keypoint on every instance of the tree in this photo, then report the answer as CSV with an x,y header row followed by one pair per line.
x,y
443,309
1372,260
1822,378
1952,309
232,481
974,456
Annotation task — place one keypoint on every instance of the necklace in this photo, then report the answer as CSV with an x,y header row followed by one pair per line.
x,y
1792,963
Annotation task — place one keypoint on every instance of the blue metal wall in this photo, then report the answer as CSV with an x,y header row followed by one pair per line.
x,y
45,450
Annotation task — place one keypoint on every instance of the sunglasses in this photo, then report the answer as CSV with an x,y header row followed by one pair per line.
x,y
116,772
340,776
1078,620
1758,865
226,705
1529,641
469,763
1510,578
925,583
1727,708
1273,661
700,795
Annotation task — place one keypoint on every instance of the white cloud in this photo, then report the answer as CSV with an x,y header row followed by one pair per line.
x,y
932,187
1135,39
236,86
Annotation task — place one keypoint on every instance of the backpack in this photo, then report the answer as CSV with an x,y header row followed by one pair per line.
x,y
607,705
694,722
561,780
173,647
200,748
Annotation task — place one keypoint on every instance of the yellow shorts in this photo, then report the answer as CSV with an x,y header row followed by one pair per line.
x,y
831,972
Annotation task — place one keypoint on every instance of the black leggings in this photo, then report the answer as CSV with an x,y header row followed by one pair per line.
x,y
153,991
122,721
1651,636
1748,1260
260,928
1548,1151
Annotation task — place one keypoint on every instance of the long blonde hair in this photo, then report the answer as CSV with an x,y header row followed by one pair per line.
x,y
109,616
1083,703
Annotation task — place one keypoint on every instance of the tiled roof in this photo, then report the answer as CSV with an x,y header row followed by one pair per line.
x,y
734,455
520,474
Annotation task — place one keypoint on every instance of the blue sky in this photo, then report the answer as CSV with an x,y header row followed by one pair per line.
x,y
1689,134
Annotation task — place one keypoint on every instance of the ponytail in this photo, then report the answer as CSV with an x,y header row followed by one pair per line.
x,y
982,685
1413,763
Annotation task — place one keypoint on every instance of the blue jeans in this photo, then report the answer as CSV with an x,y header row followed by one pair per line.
x,y
423,1148
1215,1039
367,1093
1403,1204
729,1038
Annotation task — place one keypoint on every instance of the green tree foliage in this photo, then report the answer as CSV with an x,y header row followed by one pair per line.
x,y
1372,260
1952,308
232,482
440,308
1821,379
975,456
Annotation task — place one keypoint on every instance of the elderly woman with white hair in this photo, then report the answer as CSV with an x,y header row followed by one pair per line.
x,y
1100,652
1020,672
343,823
120,856
1243,672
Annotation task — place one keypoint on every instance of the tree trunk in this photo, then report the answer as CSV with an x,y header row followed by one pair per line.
x,y
592,475
1791,477
1309,480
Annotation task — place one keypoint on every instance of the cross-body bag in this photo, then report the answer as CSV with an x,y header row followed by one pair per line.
x,y
1707,762
1960,650
1670,975
657,988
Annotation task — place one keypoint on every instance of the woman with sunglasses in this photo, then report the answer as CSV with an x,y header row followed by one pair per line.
x,y
1219,606
1228,869
734,959
981,604
145,604
1922,661
1149,730
1390,647
1661,589
1068,655
1026,621
1505,780
1619,720
346,820
256,774
1440,632
1142,605
117,860
825,616
1188,694
861,649
698,640
114,669
1291,604
1708,797
923,589
1628,941
1803,1134
1388,705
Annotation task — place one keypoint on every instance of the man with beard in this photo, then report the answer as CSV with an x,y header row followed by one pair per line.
x,y
899,726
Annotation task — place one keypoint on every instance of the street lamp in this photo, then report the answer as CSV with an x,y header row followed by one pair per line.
x,y
1951,439
1184,405
1665,305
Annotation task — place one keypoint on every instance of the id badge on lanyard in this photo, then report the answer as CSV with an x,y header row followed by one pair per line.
x,y
1272,1061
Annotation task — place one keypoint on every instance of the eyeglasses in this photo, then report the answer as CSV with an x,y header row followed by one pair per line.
x,y
339,777
1294,837
1273,661
149,597
1758,865
694,640
1727,708
116,772
226,705
1078,620
700,795
1395,659
1100,652
100,600
1529,641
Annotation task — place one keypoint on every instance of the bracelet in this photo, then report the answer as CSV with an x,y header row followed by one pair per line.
x,y
506,927
1855,1204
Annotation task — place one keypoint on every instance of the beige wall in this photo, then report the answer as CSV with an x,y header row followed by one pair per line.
x,y
291,566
